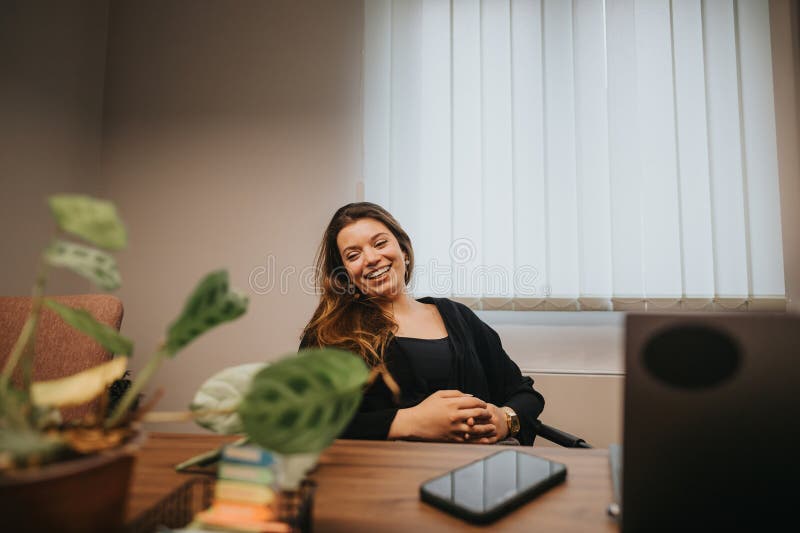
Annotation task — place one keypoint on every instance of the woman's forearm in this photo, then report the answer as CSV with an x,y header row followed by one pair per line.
x,y
402,426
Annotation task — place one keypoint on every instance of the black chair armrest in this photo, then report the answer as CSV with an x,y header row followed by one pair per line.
x,y
562,438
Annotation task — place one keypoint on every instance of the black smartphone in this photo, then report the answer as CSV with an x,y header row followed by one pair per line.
x,y
486,489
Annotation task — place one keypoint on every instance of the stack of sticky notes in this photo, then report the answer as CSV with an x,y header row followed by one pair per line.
x,y
243,497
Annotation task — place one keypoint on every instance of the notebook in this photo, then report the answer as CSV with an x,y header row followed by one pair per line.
x,y
711,422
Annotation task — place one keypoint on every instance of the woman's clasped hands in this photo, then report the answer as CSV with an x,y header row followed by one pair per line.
x,y
451,416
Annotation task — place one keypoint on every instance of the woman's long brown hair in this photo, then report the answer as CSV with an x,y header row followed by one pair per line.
x,y
345,317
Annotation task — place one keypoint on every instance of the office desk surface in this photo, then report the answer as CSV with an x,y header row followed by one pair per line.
x,y
374,486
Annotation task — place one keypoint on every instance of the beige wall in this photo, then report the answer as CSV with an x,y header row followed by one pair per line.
x,y
232,133
52,60
586,405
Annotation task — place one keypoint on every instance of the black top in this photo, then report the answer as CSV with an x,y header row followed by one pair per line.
x,y
478,366
430,358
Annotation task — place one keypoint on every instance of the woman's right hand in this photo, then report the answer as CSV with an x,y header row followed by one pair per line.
x,y
443,416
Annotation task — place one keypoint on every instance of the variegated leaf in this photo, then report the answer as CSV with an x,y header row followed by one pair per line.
x,y
301,403
224,390
98,267
78,388
210,304
91,219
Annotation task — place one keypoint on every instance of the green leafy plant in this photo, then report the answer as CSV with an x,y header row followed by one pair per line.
x,y
294,407
30,428
298,406
301,403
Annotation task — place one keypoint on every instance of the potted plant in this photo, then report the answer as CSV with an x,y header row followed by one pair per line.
x,y
73,477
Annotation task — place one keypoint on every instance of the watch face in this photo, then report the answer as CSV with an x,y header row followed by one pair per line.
x,y
513,420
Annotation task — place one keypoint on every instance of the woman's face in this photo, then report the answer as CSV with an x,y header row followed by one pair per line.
x,y
373,258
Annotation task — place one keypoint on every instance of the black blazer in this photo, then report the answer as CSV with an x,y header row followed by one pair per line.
x,y
480,367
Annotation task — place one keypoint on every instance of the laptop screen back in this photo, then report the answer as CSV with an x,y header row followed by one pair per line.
x,y
712,418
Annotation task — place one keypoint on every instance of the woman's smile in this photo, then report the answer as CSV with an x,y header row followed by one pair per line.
x,y
378,273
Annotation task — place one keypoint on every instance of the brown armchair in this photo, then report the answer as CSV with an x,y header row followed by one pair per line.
x,y
60,350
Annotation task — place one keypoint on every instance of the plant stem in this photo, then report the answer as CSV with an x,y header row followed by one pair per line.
x,y
186,416
138,384
26,336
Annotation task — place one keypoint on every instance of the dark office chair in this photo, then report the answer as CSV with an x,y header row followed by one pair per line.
x,y
556,436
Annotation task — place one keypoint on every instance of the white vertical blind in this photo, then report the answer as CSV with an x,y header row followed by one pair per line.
x,y
624,159
377,99
661,250
467,154
760,147
592,154
592,164
405,103
497,180
560,166
527,92
435,148
692,148
725,151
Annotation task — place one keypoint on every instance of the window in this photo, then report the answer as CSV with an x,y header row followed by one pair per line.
x,y
592,154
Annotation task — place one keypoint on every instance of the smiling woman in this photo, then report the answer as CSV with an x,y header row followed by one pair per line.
x,y
456,383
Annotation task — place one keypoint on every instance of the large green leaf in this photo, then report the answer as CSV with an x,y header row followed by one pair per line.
x,y
98,267
78,388
301,403
108,337
211,304
222,391
89,218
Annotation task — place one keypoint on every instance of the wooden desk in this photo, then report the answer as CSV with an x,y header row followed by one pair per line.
x,y
154,475
374,486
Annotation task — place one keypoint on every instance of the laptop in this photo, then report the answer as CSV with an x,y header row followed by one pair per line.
x,y
711,422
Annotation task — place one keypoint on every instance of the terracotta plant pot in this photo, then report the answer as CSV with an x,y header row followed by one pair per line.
x,y
87,494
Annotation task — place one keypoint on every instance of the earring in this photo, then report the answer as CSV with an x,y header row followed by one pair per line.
x,y
407,261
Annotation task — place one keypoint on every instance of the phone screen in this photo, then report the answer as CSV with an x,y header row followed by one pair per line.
x,y
484,485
